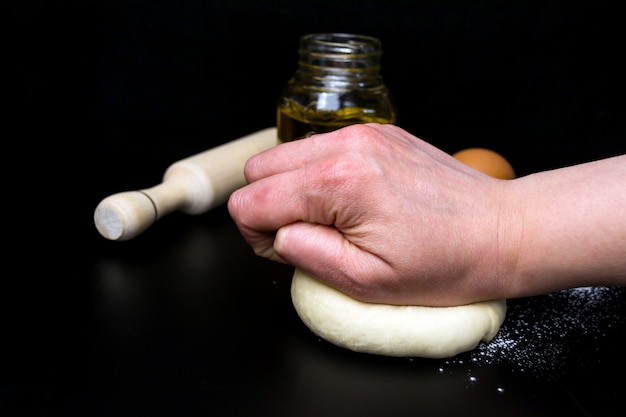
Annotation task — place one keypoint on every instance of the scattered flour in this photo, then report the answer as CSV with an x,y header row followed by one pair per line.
x,y
541,335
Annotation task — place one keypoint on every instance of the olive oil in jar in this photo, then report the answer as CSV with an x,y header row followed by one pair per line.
x,y
337,83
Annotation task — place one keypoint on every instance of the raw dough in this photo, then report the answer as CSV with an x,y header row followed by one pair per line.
x,y
408,331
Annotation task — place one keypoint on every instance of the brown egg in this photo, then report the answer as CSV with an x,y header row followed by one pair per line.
x,y
486,161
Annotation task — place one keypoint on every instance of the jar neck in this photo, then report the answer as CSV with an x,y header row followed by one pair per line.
x,y
339,60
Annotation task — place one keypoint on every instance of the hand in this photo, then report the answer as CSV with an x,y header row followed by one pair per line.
x,y
379,214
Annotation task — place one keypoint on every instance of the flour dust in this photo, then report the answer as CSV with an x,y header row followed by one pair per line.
x,y
543,335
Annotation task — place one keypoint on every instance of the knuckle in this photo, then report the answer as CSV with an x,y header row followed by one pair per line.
x,y
338,172
359,135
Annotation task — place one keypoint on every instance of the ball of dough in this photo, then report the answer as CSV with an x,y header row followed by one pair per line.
x,y
391,330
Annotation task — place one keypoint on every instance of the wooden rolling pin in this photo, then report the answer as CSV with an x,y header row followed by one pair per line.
x,y
192,185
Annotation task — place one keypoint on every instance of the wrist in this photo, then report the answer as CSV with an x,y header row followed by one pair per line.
x,y
570,229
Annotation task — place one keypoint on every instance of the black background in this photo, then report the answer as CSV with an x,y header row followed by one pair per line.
x,y
101,96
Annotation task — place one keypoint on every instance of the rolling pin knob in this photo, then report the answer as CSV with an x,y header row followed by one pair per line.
x,y
125,215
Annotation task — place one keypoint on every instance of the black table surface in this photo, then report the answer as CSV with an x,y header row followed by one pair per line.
x,y
185,319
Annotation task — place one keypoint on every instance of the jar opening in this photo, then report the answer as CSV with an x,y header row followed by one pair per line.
x,y
340,44
340,50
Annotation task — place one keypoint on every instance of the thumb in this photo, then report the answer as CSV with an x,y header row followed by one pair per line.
x,y
315,248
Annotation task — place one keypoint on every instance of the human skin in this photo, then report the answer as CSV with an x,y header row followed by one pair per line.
x,y
385,217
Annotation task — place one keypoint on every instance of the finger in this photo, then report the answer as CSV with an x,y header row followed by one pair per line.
x,y
286,156
270,203
261,208
324,252
323,193
296,154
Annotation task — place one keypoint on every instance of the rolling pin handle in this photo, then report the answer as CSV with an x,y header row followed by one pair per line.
x,y
192,185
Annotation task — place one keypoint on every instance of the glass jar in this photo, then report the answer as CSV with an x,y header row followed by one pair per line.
x,y
337,83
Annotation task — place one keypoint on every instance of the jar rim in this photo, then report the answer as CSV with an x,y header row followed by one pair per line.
x,y
340,44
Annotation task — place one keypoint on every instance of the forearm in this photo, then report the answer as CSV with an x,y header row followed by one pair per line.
x,y
571,228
